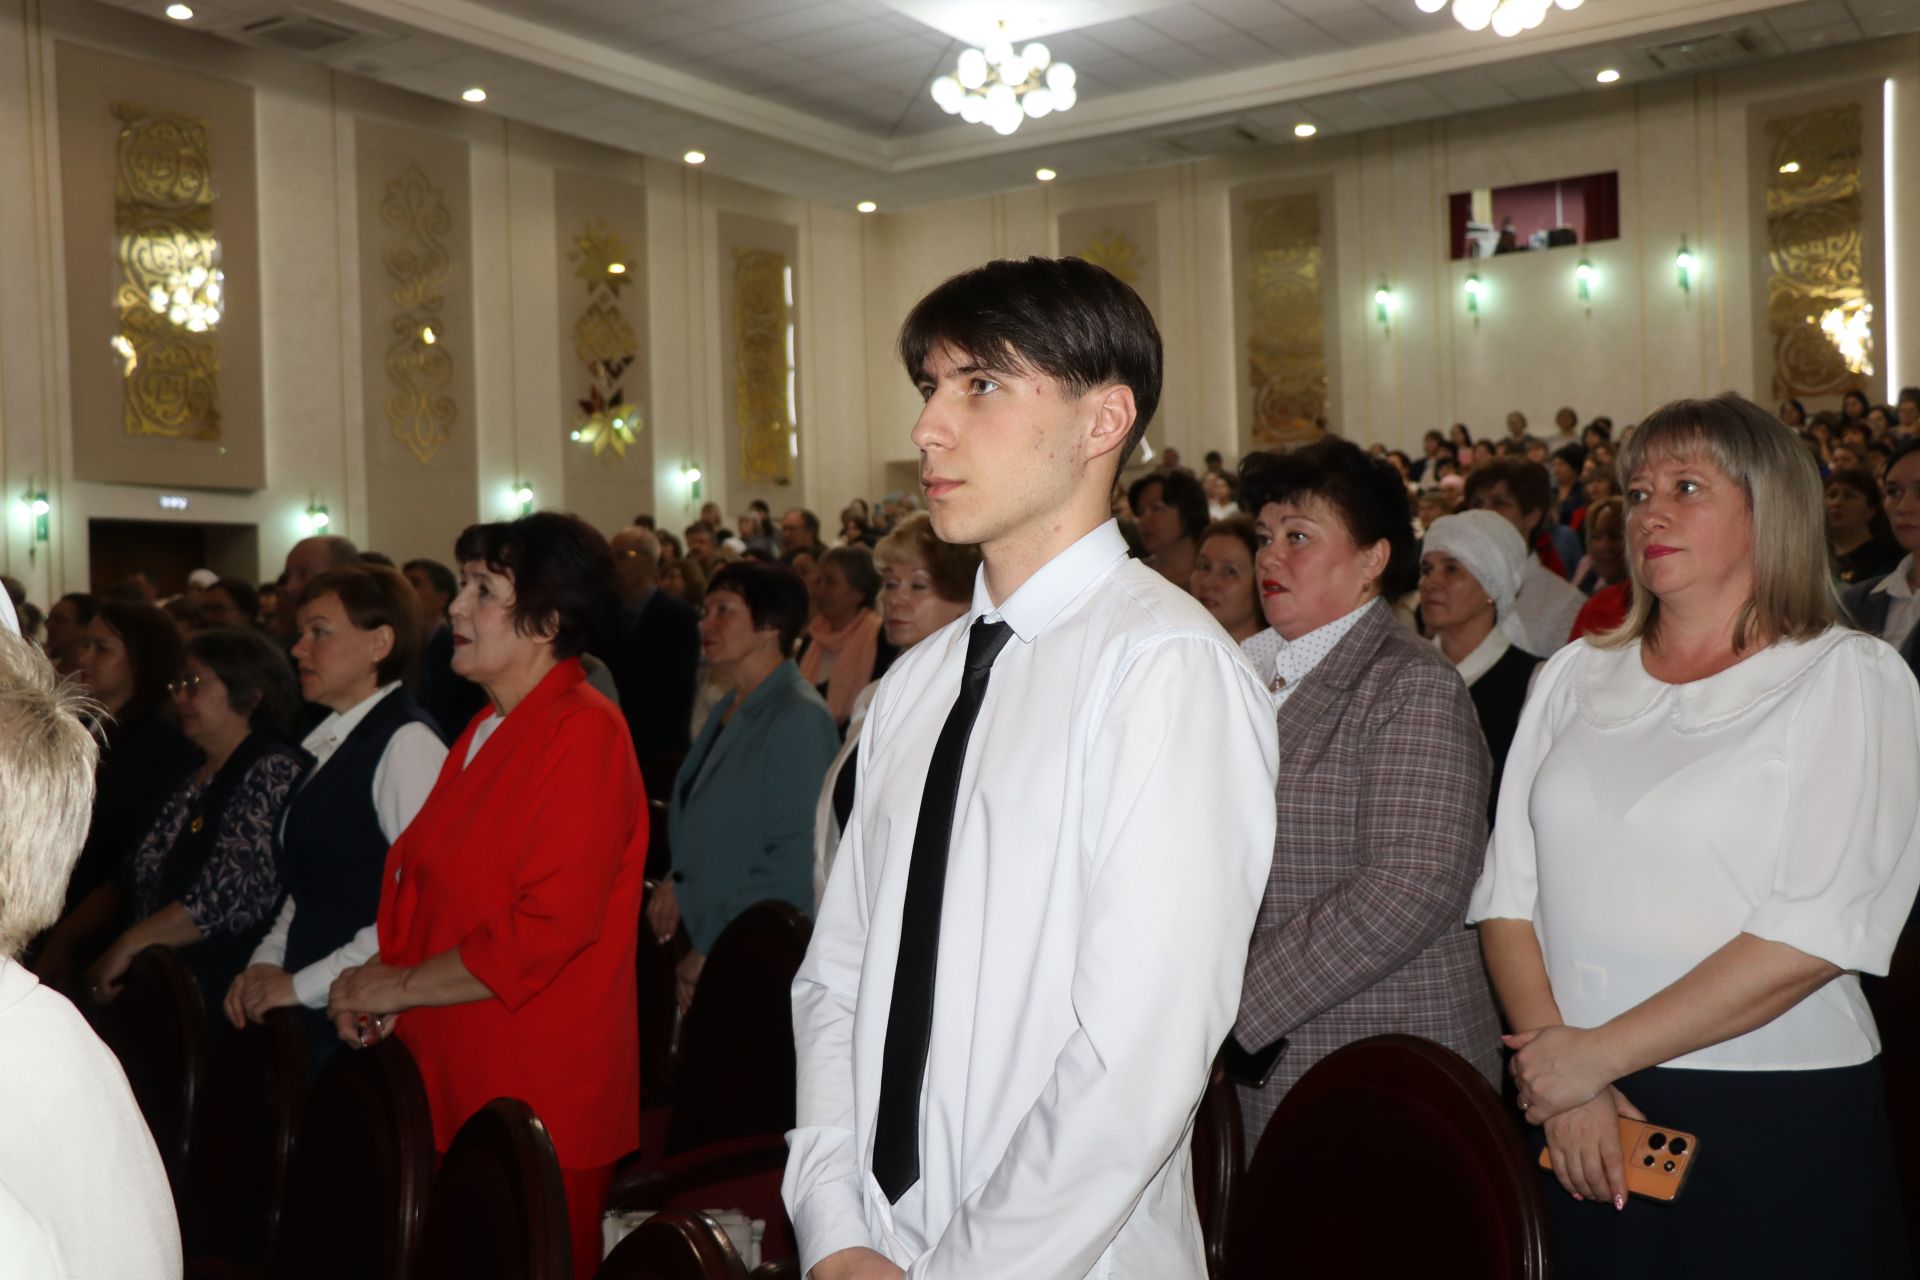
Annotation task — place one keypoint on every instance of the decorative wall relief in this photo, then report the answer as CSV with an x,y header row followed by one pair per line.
x,y
1110,248
420,409
604,343
1121,238
764,407
169,287
1819,314
1286,341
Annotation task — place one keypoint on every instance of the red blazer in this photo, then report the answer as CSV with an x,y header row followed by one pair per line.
x,y
530,861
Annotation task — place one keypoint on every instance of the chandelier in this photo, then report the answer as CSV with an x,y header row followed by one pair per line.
x,y
1506,17
1000,87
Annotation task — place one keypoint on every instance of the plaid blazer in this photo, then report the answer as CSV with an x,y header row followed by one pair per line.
x,y
1382,813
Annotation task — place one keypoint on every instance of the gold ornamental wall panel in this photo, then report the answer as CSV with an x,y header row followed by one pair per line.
x,y
1819,309
1125,239
420,406
159,217
1285,319
763,371
604,343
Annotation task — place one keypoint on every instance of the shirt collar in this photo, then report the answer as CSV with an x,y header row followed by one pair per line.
x,y
1895,583
337,726
1613,688
1055,585
1485,654
1296,659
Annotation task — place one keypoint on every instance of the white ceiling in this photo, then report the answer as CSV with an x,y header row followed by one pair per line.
x,y
827,99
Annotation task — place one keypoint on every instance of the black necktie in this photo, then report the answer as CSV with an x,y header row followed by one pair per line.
x,y
903,1066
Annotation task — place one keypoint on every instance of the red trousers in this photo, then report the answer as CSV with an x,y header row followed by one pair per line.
x,y
586,1193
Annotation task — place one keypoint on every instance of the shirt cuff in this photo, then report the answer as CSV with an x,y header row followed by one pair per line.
x,y
311,984
832,1218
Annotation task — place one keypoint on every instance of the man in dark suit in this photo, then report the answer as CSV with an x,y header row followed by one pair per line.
x,y
452,700
655,659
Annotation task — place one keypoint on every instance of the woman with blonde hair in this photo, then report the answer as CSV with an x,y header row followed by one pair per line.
x,y
1707,830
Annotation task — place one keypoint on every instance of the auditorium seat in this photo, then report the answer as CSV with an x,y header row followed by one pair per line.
x,y
243,1130
157,1027
361,1167
1391,1157
1219,1151
679,1244
498,1210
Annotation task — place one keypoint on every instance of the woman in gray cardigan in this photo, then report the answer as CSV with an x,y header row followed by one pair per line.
x,y
741,816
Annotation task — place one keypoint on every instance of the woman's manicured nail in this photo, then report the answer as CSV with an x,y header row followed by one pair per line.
x,y
1619,1202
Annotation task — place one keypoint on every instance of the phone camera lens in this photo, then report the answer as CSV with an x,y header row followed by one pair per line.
x,y
1656,1140
1678,1146
1669,1166
1647,1161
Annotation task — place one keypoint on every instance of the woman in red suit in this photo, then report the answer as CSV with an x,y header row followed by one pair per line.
x,y
509,906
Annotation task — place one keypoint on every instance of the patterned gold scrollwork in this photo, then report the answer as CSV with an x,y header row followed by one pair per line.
x,y
1286,351
763,368
1117,253
604,342
1814,218
169,295
420,410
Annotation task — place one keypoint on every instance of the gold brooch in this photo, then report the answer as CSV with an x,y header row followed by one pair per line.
x,y
1276,684
197,823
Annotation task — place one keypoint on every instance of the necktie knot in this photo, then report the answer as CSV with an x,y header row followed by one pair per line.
x,y
985,640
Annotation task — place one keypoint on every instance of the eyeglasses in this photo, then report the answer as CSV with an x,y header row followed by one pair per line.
x,y
187,684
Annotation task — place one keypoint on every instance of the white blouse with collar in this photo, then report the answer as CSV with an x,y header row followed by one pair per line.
x,y
1643,825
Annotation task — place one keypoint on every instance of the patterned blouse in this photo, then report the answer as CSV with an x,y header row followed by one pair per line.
x,y
239,885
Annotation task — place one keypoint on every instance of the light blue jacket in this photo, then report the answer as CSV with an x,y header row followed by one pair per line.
x,y
741,819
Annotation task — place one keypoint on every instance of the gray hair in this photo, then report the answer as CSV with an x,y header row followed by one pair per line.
x,y
47,759
1793,594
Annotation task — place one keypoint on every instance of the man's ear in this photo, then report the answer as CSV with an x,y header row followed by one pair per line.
x,y
1113,417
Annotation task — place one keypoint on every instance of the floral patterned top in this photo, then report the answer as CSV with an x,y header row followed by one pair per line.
x,y
239,885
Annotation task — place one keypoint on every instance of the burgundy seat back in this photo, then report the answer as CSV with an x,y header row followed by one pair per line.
x,y
362,1163
1218,1154
498,1210
157,1027
243,1131
675,1244
1388,1155
735,1075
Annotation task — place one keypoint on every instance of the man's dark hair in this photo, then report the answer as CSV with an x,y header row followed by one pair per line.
x,y
775,596
644,520
1179,490
258,677
1574,455
699,526
1366,492
84,605
562,572
241,592
378,557
1066,318
436,573
809,519
1528,483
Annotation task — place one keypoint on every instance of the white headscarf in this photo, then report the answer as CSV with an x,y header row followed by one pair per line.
x,y
1490,549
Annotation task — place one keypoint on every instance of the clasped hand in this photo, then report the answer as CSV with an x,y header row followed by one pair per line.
x,y
1566,1086
365,1001
1556,1070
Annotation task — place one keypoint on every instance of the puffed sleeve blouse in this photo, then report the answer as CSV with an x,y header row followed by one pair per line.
x,y
1644,825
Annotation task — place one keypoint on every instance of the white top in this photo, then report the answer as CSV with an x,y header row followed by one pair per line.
x,y
1545,610
826,824
1485,654
1294,660
87,1186
1112,839
402,780
1903,605
1642,826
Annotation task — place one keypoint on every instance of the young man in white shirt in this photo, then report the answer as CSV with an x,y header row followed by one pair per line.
x,y
1006,1020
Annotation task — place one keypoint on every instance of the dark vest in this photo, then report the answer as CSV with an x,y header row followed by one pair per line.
x,y
330,849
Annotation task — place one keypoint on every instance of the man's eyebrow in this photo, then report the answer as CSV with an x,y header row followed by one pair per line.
x,y
925,374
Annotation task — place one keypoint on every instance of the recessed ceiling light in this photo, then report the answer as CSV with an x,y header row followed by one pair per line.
x,y
475,94
179,12
1305,130
1608,76
866,206
695,157
1045,175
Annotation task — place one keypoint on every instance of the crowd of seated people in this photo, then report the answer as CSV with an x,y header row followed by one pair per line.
x,y
392,799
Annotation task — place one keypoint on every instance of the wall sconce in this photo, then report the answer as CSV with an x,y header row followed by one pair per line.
x,y
1684,264
523,494
1383,305
39,510
315,518
1583,277
1476,289
690,476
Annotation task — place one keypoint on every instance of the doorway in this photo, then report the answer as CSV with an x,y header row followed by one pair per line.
x,y
167,551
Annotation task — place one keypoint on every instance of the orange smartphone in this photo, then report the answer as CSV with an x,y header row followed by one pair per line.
x,y
1657,1159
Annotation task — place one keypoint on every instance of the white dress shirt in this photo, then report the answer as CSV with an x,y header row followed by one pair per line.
x,y
1545,609
1643,825
1294,660
1111,841
1903,604
402,780
826,823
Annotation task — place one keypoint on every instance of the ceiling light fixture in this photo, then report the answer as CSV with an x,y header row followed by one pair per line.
x,y
1305,130
999,87
179,12
1507,17
695,157
866,206
475,94
1045,175
1608,76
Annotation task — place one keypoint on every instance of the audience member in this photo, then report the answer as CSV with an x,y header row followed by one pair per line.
x,y
1862,545
1793,413
1223,577
375,758
655,658
1517,427
450,700
701,547
1568,491
67,630
1906,413
1566,427
228,602
1471,568
1707,831
1218,486
924,585
1853,407
1359,932
685,581
855,525
307,559
1431,446
1170,508
203,879
1605,563
508,907
841,649
1547,603
799,530
1889,605
86,1194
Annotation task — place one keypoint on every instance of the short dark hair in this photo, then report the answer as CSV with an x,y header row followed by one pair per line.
x,y
374,596
1366,492
1908,393
84,605
1077,323
562,571
807,518
153,652
856,566
775,597
241,592
1901,454
439,575
1527,482
258,677
1574,455
699,526
1240,527
1179,490
377,557
1861,482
